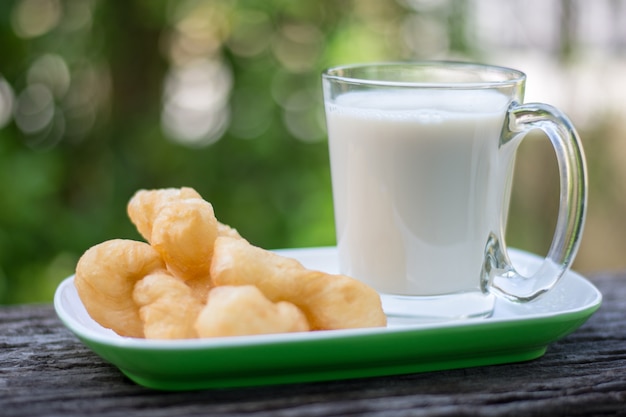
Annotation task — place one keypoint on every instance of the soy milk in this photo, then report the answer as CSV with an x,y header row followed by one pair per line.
x,y
426,166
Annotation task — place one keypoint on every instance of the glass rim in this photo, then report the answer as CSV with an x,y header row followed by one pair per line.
x,y
509,76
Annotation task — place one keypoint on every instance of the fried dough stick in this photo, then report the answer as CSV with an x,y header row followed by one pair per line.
x,y
105,277
244,310
145,205
167,307
328,301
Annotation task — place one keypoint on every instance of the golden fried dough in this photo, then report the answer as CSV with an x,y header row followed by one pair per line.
x,y
167,307
197,277
145,205
105,276
328,301
244,310
226,230
200,287
184,232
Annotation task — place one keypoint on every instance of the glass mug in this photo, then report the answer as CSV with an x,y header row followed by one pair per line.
x,y
422,157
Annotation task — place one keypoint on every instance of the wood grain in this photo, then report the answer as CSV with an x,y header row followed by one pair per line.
x,y
46,371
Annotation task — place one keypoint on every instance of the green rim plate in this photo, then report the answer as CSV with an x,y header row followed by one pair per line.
x,y
515,332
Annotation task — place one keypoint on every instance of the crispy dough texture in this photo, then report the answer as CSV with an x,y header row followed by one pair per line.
x,y
145,205
167,307
328,301
183,232
244,310
105,276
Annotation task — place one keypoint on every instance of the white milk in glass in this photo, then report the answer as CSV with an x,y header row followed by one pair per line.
x,y
418,186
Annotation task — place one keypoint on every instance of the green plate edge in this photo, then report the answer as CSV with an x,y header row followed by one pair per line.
x,y
349,356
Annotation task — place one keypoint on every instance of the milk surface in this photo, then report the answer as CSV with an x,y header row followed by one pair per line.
x,y
418,186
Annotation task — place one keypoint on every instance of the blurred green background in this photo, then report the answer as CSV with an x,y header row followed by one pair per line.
x,y
101,98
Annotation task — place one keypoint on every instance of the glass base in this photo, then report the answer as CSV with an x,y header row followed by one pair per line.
x,y
406,310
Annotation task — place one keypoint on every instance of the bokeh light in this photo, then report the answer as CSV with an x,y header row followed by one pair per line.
x,y
32,18
34,109
197,87
50,70
6,102
195,109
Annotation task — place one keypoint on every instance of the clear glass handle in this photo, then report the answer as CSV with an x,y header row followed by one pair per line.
x,y
499,275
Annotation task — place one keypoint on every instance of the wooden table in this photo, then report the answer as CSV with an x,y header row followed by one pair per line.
x,y
46,371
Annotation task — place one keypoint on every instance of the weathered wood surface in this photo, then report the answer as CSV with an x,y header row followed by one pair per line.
x,y
46,371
